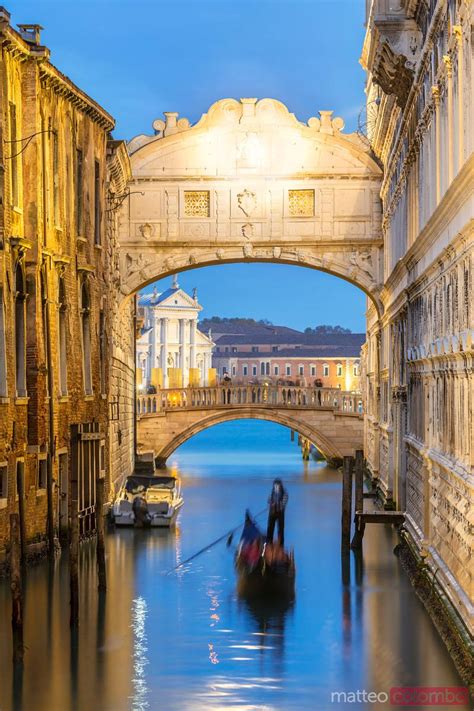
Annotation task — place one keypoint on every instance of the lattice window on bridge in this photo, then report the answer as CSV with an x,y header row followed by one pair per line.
x,y
196,203
301,203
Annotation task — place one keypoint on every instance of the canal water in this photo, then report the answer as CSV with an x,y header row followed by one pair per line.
x,y
183,641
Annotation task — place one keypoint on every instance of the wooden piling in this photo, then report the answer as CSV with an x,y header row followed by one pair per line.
x,y
16,588
50,506
346,503
100,526
20,485
359,499
74,560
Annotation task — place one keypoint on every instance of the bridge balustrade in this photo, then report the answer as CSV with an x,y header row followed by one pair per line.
x,y
249,395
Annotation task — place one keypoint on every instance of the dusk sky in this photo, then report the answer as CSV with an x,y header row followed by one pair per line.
x,y
139,58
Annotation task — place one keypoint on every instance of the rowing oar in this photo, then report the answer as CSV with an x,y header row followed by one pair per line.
x,y
227,535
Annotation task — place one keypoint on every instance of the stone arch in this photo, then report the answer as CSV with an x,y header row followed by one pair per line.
x,y
323,443
251,183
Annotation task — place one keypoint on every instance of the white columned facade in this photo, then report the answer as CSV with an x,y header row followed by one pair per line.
x,y
164,351
192,343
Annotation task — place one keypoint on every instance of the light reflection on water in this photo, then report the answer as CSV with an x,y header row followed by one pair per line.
x,y
183,640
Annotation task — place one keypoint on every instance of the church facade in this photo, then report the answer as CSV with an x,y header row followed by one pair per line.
x,y
171,351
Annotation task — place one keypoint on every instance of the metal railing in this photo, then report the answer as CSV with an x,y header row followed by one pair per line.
x,y
281,396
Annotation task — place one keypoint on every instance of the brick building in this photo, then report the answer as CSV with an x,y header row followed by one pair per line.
x,y
278,354
56,288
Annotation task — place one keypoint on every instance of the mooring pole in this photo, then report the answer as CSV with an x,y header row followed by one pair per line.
x,y
359,499
16,589
346,503
100,551
20,485
74,559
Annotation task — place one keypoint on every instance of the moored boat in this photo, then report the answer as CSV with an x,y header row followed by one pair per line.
x,y
264,569
147,500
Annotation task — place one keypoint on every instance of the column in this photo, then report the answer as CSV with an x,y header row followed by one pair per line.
x,y
164,351
192,342
449,80
182,351
460,77
435,93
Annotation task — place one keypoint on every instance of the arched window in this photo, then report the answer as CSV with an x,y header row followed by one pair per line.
x,y
20,333
339,370
3,350
86,337
62,337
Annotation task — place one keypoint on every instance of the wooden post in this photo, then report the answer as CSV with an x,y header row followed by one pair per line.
x,y
359,499
74,558
50,504
346,503
100,552
20,485
16,591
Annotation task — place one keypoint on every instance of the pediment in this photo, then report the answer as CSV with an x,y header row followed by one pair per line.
x,y
250,137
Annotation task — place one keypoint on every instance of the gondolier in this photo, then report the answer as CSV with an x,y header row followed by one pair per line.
x,y
276,514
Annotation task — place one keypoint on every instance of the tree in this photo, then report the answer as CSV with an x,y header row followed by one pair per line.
x,y
326,329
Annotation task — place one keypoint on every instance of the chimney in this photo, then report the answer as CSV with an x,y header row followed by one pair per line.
x,y
31,33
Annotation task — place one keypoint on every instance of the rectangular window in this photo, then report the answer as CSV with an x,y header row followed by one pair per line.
x,y
15,148
276,370
325,370
3,481
20,479
275,349
234,349
254,349
262,368
301,369
254,370
234,370
3,350
313,370
97,204
339,370
288,369
301,203
356,369
196,203
245,370
79,191
42,473
57,217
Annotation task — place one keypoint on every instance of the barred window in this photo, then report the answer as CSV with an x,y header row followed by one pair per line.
x,y
301,203
196,203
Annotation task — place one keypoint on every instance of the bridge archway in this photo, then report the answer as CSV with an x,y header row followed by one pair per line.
x,y
251,183
334,435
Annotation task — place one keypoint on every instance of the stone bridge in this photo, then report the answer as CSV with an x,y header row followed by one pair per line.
x,y
331,419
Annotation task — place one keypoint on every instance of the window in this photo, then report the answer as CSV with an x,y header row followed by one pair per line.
x,y
3,481
42,473
20,479
339,370
218,350
226,349
288,369
245,370
86,338
3,350
57,216
325,370
234,349
234,370
20,334
254,349
301,203
79,191
196,203
276,370
262,368
62,327
15,149
356,369
313,370
102,351
275,349
97,203
45,319
254,370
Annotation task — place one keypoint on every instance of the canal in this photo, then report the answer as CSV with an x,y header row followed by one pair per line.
x,y
179,641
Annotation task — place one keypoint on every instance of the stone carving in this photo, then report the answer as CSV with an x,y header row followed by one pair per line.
x,y
301,203
136,265
192,259
249,151
247,202
248,250
277,252
146,231
196,203
248,230
326,124
220,254
363,261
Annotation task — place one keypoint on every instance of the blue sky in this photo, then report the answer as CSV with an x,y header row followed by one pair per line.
x,y
139,58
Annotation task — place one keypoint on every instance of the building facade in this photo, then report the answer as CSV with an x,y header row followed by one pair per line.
x,y
55,291
418,362
171,350
280,355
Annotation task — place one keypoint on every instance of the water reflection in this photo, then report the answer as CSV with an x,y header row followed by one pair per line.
x,y
185,640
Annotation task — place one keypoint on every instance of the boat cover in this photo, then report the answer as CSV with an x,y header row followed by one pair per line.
x,y
136,483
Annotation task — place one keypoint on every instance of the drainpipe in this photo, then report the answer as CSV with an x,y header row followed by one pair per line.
x,y
49,369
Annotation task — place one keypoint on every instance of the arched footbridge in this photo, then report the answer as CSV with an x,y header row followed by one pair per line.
x,y
331,419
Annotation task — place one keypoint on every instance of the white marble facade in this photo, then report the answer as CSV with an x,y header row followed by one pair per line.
x,y
170,339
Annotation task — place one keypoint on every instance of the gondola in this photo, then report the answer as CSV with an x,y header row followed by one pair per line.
x,y
264,570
